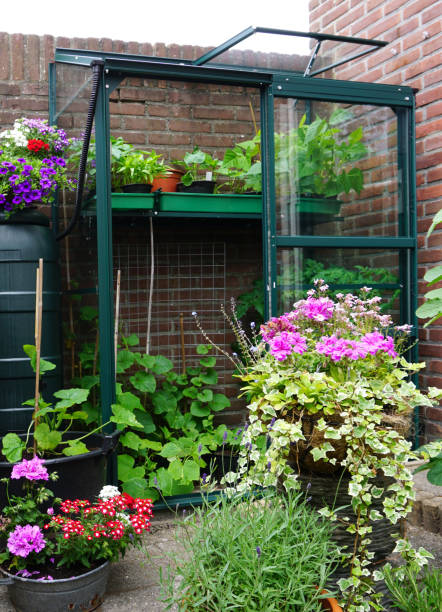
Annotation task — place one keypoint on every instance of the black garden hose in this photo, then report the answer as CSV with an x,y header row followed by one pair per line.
x,y
97,68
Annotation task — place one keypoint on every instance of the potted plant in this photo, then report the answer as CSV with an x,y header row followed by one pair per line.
x,y
135,171
197,165
328,392
242,168
57,557
32,166
320,162
168,180
50,436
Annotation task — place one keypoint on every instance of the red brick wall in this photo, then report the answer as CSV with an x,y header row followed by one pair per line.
x,y
412,58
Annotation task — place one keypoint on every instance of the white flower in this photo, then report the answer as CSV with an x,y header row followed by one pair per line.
x,y
108,491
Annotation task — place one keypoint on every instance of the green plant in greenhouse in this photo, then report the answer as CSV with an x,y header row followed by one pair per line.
x,y
196,164
432,307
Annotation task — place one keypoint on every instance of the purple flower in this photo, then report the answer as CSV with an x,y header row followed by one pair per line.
x,y
50,511
200,448
258,551
272,422
317,309
204,478
32,470
225,437
24,540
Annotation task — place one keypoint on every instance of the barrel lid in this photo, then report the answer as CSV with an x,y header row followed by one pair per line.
x,y
28,216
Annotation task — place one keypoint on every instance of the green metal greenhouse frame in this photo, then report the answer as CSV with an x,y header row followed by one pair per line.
x,y
271,84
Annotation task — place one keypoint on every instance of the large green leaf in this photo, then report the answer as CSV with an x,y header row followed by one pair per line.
x,y
131,440
75,447
162,365
170,450
152,444
124,417
220,401
125,464
208,362
202,349
175,469
210,377
31,352
147,361
13,447
163,401
198,409
435,473
129,400
137,487
70,397
164,481
125,359
144,382
433,275
132,340
146,421
47,439
205,395
191,470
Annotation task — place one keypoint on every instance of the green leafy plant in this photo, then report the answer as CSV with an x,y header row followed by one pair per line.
x,y
328,382
50,422
242,553
413,589
118,149
173,434
432,453
242,167
137,167
320,157
196,164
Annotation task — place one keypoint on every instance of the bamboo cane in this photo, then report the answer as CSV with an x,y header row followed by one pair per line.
x,y
117,316
183,352
37,335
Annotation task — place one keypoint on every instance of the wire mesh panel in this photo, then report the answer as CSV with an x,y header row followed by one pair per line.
x,y
188,277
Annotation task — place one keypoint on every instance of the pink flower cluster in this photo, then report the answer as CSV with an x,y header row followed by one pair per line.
x,y
338,348
287,343
32,470
26,539
316,309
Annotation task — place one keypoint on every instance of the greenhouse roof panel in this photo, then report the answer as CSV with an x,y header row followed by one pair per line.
x,y
272,49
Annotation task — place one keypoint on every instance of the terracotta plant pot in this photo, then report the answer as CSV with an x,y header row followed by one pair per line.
x,y
330,604
168,181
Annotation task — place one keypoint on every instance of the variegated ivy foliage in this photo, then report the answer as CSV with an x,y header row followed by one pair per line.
x,y
329,358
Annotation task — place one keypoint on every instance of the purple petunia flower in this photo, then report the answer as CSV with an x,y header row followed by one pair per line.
x,y
31,470
26,539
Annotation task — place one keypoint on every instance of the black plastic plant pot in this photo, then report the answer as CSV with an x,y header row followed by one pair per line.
x,y
137,188
79,477
197,187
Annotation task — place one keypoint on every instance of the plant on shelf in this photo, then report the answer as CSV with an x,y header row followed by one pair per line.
x,y
328,390
242,167
321,159
137,168
200,171
48,539
118,149
246,553
32,166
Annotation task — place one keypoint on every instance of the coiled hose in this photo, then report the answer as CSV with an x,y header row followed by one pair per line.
x,y
97,68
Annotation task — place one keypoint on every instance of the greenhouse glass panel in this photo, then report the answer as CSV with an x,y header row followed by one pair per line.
x,y
336,169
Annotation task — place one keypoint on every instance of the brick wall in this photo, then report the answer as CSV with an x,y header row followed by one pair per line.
x,y
412,58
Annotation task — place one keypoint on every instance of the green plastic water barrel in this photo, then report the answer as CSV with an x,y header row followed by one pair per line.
x,y
24,238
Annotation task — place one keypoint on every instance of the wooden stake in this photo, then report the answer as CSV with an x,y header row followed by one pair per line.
x,y
183,352
117,316
37,335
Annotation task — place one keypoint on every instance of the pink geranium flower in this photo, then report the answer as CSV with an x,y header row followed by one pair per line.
x,y
32,470
26,539
287,343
